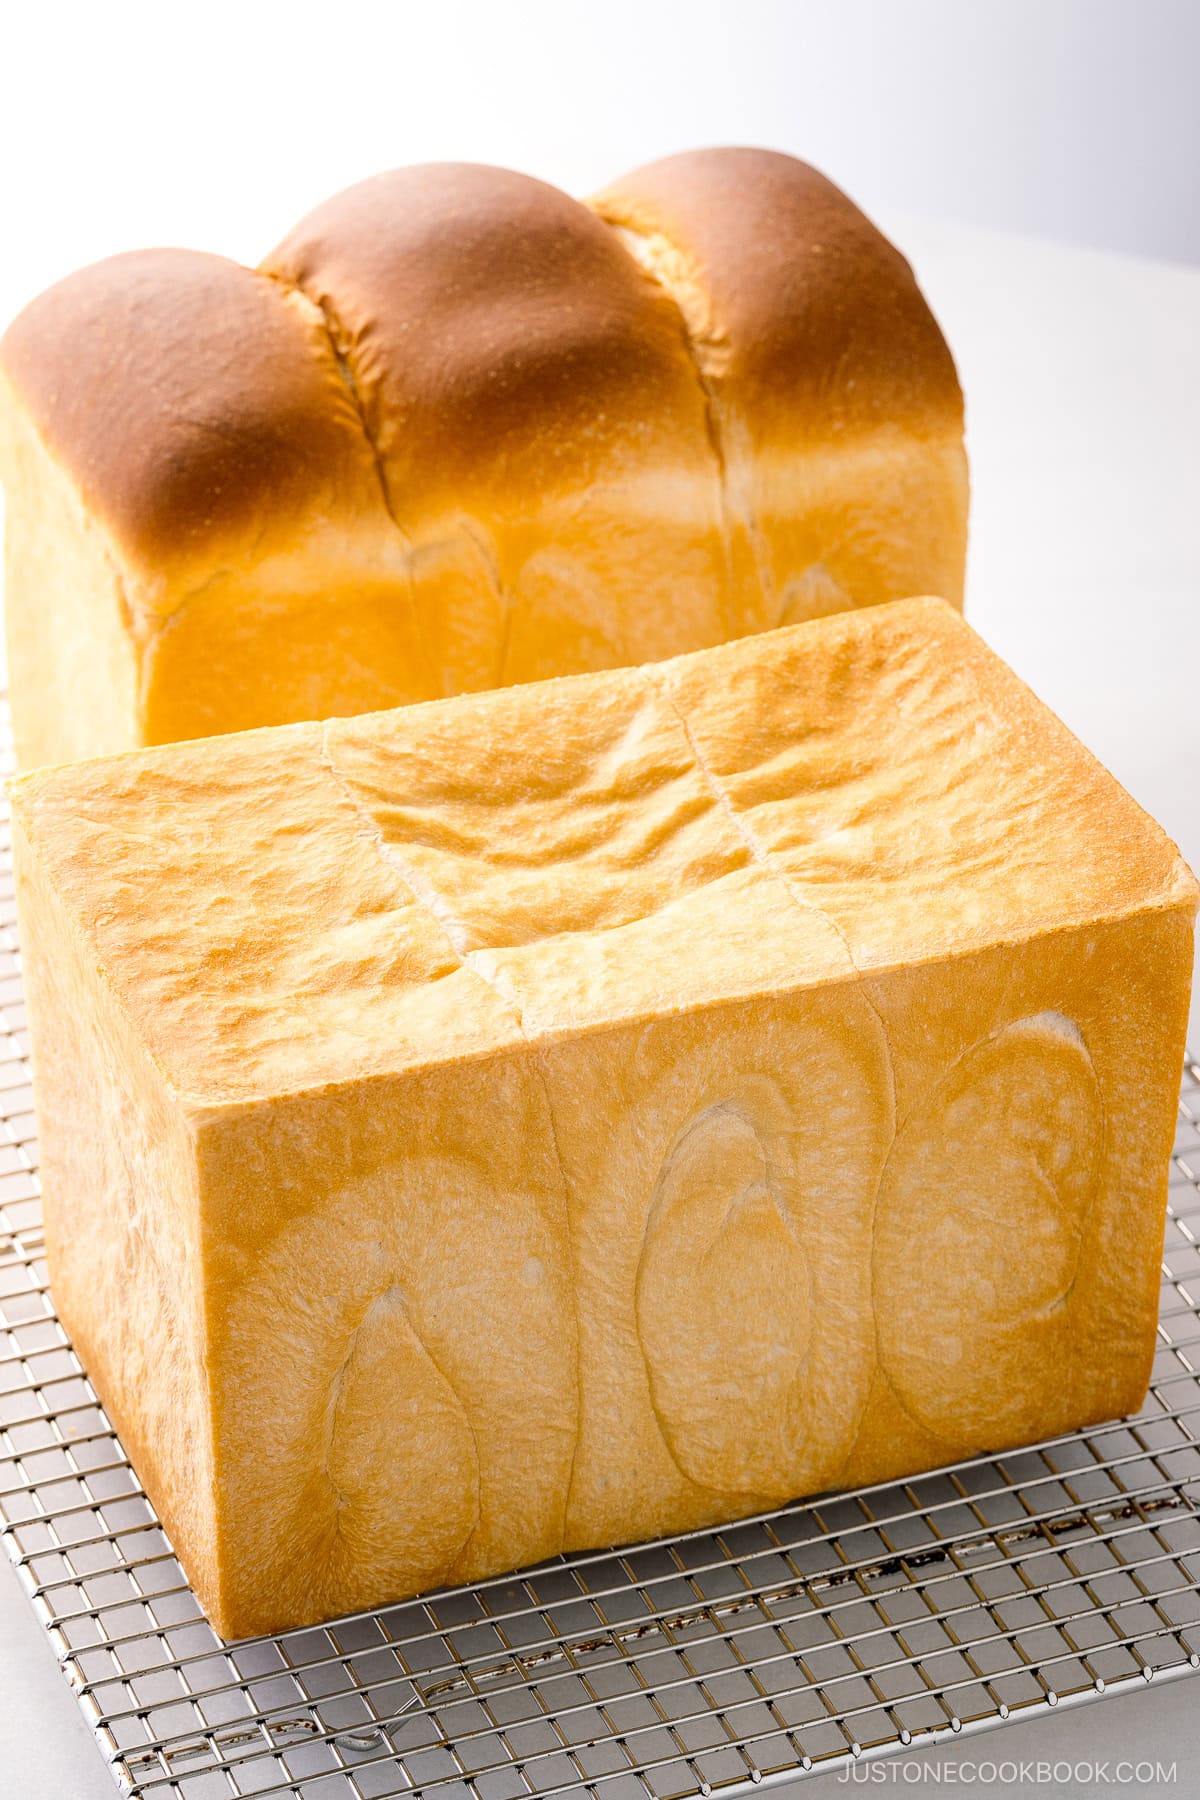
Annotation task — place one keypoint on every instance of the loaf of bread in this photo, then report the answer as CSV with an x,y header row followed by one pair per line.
x,y
555,1116
459,431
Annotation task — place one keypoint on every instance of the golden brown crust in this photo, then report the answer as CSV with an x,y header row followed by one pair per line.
x,y
498,335
192,402
462,431
802,305
832,397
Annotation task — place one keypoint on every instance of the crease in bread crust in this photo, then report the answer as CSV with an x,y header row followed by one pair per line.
x,y
761,856
339,345
656,256
475,533
323,314
456,939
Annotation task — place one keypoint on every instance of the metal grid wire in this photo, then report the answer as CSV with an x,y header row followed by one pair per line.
x,y
709,1663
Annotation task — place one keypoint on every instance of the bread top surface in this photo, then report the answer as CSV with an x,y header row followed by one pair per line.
x,y
496,332
453,343
805,312
192,401
295,908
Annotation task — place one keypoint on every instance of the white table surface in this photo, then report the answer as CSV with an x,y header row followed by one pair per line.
x,y
1082,374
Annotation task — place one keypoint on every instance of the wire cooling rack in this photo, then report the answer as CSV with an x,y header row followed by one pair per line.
x,y
710,1663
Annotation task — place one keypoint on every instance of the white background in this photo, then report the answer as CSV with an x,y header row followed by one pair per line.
x,y
1070,119
217,125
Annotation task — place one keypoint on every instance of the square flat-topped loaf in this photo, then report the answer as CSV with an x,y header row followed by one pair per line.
x,y
555,1116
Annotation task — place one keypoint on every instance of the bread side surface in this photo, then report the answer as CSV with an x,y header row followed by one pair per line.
x,y
72,661
461,430
657,1276
118,1168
